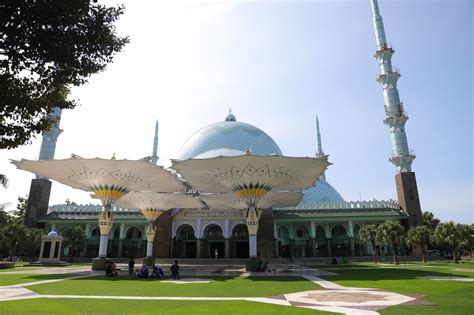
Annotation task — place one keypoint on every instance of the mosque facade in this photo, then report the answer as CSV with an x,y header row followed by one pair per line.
x,y
323,224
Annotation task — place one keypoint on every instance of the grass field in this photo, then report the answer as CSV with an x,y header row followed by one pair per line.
x,y
449,297
85,306
219,287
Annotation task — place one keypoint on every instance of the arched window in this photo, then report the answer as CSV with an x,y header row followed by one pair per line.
x,y
186,233
338,230
240,232
213,232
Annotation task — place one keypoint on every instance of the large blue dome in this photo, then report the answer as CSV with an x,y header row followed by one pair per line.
x,y
228,136
232,138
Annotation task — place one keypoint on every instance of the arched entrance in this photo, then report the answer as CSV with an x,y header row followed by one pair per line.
x,y
321,242
93,243
302,242
186,242
214,240
133,244
340,245
240,241
283,242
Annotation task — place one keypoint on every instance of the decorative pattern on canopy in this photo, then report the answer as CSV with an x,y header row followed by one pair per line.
x,y
109,180
225,201
153,204
251,177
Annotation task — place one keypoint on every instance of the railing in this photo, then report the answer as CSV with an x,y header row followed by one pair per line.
x,y
373,204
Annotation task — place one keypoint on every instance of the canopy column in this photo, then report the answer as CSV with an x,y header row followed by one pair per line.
x,y
105,225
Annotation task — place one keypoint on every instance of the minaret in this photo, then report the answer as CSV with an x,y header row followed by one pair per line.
x,y
40,189
49,137
154,157
396,118
320,152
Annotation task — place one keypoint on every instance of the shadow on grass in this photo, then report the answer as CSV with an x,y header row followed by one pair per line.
x,y
213,278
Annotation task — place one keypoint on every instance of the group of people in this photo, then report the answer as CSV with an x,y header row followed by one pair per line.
x,y
157,271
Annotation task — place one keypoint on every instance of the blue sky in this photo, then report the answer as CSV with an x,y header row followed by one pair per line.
x,y
278,64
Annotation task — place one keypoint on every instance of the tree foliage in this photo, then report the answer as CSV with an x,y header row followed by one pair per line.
x,y
368,233
458,237
430,220
392,233
16,239
419,236
47,47
74,237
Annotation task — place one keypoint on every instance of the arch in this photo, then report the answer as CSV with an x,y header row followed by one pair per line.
x,y
301,232
283,236
133,233
213,232
320,232
185,232
95,232
356,230
239,239
339,230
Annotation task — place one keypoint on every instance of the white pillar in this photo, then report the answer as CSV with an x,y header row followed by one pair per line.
x,y
149,249
104,241
253,245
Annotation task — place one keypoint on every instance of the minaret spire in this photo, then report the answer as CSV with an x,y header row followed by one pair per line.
x,y
395,116
319,151
154,157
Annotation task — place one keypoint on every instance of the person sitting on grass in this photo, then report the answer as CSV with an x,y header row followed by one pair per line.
x,y
111,270
175,270
143,272
157,272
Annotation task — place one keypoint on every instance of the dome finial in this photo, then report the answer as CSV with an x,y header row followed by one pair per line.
x,y
230,117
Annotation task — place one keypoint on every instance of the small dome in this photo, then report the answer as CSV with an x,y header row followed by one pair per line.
x,y
228,136
53,234
230,117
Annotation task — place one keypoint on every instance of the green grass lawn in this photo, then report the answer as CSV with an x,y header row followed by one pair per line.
x,y
11,279
25,266
86,306
219,287
450,297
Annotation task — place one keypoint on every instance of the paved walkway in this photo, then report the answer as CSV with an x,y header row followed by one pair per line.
x,y
332,297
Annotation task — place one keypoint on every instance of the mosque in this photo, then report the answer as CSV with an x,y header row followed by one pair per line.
x,y
322,224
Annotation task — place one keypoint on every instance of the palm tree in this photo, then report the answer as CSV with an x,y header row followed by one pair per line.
x,y
391,232
74,237
419,236
368,234
451,234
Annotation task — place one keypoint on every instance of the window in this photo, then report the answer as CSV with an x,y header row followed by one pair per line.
x,y
299,233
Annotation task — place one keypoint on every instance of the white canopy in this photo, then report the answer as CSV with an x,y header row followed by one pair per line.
x,y
272,199
153,204
90,174
222,174
159,201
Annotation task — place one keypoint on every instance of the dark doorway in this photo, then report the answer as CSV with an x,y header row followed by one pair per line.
x,y
190,249
220,246
242,249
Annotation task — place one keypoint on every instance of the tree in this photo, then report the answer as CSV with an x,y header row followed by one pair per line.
x,y
419,236
453,235
47,47
74,237
368,234
429,220
392,233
